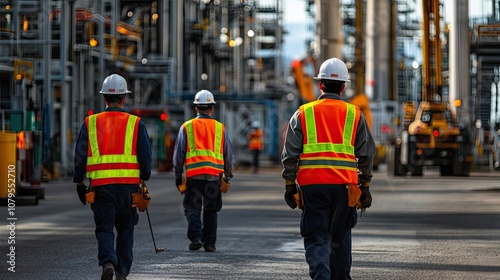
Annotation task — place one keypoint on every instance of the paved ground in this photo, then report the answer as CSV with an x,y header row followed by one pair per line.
x,y
428,227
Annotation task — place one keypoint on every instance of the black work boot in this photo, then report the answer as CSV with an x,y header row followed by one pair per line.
x,y
108,271
195,245
209,248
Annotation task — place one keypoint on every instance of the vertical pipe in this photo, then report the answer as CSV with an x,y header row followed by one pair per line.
x,y
65,99
48,117
358,51
393,81
165,46
378,50
224,22
81,84
101,51
279,67
235,32
165,35
459,58
193,54
114,19
329,29
179,8
370,58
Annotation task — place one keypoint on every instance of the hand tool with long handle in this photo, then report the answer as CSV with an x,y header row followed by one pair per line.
x,y
157,249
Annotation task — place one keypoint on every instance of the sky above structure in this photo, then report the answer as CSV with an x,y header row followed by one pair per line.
x,y
297,23
296,26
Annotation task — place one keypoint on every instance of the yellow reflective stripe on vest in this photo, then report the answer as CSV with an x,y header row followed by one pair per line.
x,y
218,141
112,159
190,136
310,124
313,146
126,157
349,125
92,130
129,135
116,173
193,152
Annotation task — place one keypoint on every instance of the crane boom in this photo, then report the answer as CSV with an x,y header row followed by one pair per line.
x,y
432,55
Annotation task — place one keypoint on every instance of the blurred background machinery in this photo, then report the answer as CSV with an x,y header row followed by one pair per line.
x,y
55,54
393,63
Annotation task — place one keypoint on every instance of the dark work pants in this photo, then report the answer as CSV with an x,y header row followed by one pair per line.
x,y
326,227
255,160
113,209
204,195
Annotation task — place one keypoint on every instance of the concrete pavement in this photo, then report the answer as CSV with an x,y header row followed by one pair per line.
x,y
428,227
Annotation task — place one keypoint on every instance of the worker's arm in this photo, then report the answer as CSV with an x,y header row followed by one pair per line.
x,y
144,154
179,152
292,148
228,154
365,151
80,159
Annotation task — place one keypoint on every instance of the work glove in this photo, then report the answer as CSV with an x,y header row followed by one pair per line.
x,y
227,177
291,189
224,182
82,190
366,198
180,184
178,181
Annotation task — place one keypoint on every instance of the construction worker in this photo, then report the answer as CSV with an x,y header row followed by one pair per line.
x,y
113,149
203,147
255,144
328,149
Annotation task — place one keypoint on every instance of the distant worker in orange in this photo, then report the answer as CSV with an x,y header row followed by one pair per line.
x,y
255,144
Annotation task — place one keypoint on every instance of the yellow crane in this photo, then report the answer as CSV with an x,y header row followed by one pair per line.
x,y
432,136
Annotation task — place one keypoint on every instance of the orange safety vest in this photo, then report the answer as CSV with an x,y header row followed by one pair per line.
x,y
205,146
255,141
329,127
112,149
21,140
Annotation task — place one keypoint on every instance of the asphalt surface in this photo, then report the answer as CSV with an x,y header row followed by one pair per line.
x,y
428,227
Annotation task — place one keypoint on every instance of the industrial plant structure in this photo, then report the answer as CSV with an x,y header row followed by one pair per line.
x,y
54,56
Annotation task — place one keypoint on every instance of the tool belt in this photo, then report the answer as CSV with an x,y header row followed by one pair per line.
x,y
90,195
299,199
353,195
141,198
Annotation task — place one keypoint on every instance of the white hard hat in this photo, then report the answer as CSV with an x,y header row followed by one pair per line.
x,y
255,124
333,69
114,84
204,97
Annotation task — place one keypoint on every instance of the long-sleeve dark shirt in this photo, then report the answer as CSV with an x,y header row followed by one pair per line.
x,y
144,154
364,147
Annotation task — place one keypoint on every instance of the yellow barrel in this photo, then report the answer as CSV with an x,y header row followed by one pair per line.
x,y
8,168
